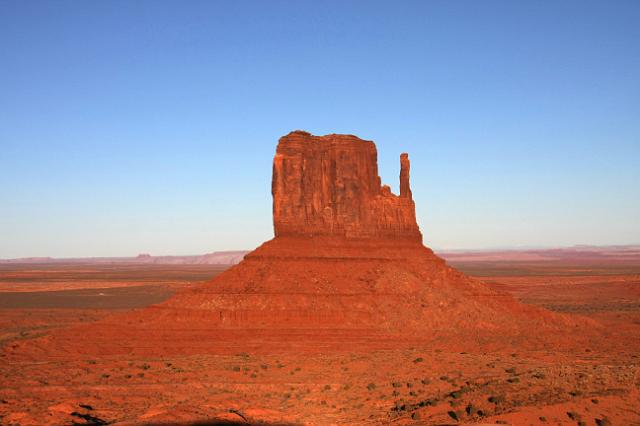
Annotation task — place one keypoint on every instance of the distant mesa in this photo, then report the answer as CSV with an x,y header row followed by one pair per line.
x,y
230,257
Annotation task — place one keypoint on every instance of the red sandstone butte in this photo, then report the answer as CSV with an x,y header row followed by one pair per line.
x,y
346,269
329,185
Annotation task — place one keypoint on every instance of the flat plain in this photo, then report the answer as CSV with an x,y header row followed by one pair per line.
x,y
592,382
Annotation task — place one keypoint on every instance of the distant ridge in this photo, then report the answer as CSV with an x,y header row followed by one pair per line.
x,y
578,254
581,253
215,258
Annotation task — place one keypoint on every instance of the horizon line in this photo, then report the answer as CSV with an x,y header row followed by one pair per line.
x,y
437,250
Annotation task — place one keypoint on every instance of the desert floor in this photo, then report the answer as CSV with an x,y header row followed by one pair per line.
x,y
592,383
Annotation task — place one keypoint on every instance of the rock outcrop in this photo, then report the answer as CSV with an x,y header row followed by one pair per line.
x,y
329,185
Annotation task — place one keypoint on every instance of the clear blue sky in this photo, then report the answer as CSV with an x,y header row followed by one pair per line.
x,y
150,126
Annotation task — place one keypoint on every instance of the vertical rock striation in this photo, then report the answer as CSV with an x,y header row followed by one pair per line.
x,y
329,186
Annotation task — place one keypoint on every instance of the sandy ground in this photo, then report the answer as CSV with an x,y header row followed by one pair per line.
x,y
592,383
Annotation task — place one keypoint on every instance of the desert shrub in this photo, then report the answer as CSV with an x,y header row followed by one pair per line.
x,y
431,402
573,415
399,407
371,386
458,393
496,399
417,360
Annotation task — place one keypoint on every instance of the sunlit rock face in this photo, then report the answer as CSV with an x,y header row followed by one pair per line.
x,y
329,186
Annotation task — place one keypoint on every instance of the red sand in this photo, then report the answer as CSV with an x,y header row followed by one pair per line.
x,y
291,386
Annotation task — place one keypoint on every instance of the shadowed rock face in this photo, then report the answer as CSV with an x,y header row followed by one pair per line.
x,y
329,186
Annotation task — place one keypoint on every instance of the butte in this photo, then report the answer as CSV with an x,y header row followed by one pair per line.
x,y
346,270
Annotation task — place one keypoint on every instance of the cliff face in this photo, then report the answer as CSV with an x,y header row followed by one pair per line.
x,y
329,186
